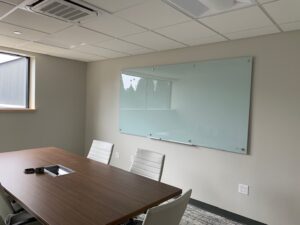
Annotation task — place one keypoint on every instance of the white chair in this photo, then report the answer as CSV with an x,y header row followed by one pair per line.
x,y
148,164
169,213
9,217
5,207
101,151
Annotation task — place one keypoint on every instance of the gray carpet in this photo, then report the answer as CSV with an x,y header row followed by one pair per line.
x,y
196,216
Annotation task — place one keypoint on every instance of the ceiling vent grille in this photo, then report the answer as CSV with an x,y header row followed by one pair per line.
x,y
71,11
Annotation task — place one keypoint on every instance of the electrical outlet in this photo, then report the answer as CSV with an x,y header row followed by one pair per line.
x,y
243,189
117,155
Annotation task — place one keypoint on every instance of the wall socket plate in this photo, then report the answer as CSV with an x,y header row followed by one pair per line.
x,y
243,189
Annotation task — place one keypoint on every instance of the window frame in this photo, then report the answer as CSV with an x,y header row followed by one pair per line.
x,y
28,106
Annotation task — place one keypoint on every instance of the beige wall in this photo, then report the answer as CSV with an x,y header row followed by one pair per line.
x,y
272,167
60,115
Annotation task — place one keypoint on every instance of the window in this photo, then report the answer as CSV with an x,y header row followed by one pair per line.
x,y
14,81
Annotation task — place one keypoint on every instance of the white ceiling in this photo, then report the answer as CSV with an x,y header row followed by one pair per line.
x,y
131,27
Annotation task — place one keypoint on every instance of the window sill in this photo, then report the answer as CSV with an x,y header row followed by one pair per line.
x,y
16,110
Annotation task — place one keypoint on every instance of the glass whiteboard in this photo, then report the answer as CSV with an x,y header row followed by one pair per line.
x,y
200,103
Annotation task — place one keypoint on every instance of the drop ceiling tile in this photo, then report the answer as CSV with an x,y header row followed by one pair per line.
x,y
239,20
72,37
253,32
140,51
5,8
10,42
191,33
114,5
80,56
55,43
76,35
26,34
154,41
290,26
206,40
35,21
99,51
121,46
112,25
85,58
265,1
284,11
153,14
58,52
39,48
14,2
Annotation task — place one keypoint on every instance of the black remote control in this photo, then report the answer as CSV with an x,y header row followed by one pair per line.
x,y
29,171
39,170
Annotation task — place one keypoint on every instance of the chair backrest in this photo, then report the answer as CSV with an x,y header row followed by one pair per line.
x,y
148,164
101,151
169,213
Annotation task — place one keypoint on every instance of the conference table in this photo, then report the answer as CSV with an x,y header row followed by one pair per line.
x,y
94,194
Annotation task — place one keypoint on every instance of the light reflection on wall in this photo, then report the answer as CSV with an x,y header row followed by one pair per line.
x,y
154,85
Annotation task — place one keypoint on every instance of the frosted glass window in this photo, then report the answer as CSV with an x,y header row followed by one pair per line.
x,y
14,80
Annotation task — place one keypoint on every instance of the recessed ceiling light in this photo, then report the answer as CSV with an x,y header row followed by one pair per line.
x,y
72,46
202,8
219,5
82,43
17,32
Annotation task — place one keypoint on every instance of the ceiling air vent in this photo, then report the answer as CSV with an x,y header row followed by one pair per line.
x,y
67,10
203,8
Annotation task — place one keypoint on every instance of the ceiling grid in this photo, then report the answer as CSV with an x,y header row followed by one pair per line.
x,y
134,27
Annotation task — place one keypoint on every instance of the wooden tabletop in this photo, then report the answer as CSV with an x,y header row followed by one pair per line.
x,y
95,194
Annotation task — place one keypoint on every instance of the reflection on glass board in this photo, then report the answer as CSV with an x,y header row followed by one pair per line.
x,y
130,82
203,103
145,93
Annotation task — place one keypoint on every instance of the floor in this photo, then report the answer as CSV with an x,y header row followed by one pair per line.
x,y
196,216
